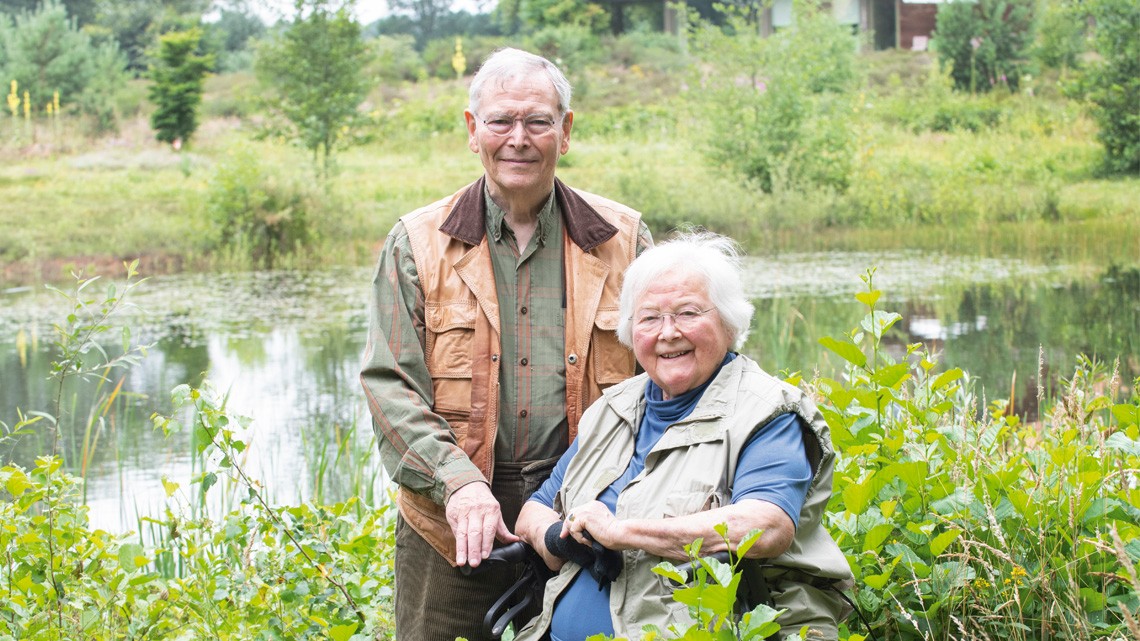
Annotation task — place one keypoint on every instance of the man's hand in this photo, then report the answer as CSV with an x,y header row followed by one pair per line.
x,y
476,521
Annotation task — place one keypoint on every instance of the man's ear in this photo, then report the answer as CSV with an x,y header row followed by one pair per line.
x,y
472,142
567,124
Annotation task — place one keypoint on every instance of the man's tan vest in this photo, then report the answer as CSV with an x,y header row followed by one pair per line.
x,y
462,332
690,470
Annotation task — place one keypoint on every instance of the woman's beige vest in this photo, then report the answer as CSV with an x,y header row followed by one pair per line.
x,y
690,470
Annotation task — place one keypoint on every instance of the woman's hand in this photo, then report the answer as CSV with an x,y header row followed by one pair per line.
x,y
595,519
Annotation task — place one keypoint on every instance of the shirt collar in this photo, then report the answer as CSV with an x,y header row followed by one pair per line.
x,y
496,217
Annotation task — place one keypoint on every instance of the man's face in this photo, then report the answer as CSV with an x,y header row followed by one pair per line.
x,y
519,163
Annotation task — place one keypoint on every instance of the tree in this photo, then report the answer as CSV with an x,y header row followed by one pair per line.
x,y
984,43
425,14
82,11
314,73
1115,83
136,24
46,53
178,75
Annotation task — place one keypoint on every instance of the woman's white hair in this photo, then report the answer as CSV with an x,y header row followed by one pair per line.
x,y
713,258
507,63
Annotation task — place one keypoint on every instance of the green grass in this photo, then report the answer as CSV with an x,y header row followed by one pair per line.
x,y
1023,181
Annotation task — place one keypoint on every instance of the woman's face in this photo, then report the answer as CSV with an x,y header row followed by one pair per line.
x,y
678,358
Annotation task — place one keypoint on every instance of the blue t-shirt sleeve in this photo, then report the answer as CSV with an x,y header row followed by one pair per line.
x,y
774,467
545,494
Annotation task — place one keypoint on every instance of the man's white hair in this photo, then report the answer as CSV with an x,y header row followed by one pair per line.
x,y
508,63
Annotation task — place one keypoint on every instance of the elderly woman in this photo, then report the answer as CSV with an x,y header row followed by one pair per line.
x,y
704,437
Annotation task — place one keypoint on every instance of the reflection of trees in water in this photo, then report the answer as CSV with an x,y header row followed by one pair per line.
x,y
1022,339
996,332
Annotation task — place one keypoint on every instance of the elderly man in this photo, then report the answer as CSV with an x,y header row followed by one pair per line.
x,y
493,318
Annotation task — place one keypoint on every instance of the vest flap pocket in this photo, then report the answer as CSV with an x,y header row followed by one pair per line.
x,y
450,315
450,336
613,362
685,503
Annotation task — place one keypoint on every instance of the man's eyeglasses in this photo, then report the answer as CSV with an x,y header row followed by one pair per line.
x,y
683,319
501,125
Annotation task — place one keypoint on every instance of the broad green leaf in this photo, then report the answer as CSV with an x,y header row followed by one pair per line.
x,y
947,377
891,375
208,481
846,350
939,543
131,557
876,535
869,298
342,632
170,486
877,581
17,483
669,571
856,496
748,541
1120,442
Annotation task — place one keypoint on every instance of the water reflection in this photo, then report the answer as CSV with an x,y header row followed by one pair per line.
x,y
285,347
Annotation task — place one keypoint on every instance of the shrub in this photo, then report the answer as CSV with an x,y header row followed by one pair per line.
x,y
1115,83
959,526
256,214
1061,34
778,106
395,59
984,43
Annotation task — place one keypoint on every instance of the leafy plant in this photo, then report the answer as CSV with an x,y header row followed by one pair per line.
x,y
985,44
778,108
1115,83
712,597
980,526
255,213
178,75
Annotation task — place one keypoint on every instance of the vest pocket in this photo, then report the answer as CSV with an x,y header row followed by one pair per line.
x,y
450,339
613,362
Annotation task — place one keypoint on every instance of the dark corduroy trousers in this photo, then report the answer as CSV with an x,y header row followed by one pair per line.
x,y
435,601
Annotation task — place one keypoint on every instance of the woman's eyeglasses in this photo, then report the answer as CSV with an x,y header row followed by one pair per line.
x,y
683,319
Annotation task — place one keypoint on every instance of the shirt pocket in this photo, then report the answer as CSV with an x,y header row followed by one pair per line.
x,y
613,362
450,340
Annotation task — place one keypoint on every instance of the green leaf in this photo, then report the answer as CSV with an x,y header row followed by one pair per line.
x,y
939,543
869,298
342,632
876,535
857,496
891,375
846,350
208,481
17,483
669,571
170,486
1126,414
131,557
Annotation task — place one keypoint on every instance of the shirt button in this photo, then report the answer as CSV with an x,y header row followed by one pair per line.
x,y
523,362
522,414
523,310
572,359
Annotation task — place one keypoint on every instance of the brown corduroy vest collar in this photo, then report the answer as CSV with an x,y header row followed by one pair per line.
x,y
586,227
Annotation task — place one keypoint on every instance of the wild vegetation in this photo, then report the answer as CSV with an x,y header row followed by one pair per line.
x,y
959,519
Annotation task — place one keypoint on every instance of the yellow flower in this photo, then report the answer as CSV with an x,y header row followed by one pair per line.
x,y
981,584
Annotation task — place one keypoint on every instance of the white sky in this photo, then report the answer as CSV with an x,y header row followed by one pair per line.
x,y
367,11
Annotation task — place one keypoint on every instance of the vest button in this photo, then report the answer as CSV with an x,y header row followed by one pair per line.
x,y
494,358
523,362
523,414
572,359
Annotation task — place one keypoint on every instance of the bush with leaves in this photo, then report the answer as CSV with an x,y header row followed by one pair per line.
x,y
778,109
985,44
1115,83
959,526
1061,37
254,213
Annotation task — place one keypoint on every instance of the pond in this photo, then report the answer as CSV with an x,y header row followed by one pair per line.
x,y
284,347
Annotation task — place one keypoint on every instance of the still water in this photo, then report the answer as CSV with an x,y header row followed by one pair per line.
x,y
285,346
